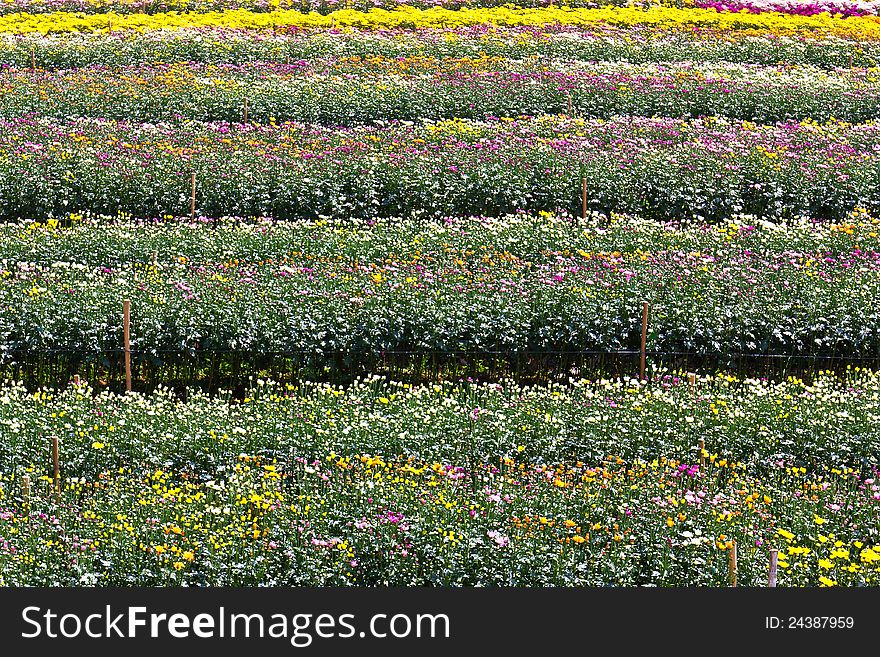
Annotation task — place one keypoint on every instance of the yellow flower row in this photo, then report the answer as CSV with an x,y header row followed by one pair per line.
x,y
865,27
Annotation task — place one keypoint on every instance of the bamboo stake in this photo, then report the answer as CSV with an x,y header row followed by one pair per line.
x,y
126,322
771,578
245,110
692,383
584,198
192,200
642,357
568,94
76,380
701,445
731,566
25,489
56,467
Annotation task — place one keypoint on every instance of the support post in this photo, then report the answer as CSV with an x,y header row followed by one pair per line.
x,y
731,565
584,199
771,577
56,466
126,321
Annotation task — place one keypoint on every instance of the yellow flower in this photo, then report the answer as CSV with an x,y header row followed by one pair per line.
x,y
824,581
178,565
578,539
785,534
188,556
818,520
97,445
869,555
825,564
658,18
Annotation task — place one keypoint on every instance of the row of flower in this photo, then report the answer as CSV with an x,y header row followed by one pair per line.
x,y
655,168
387,484
349,91
119,241
598,43
844,8
408,17
422,290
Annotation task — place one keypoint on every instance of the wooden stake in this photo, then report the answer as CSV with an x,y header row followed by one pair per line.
x,y
771,578
731,566
33,60
25,489
76,380
155,259
192,200
692,383
126,324
245,111
56,467
584,199
569,103
701,445
642,358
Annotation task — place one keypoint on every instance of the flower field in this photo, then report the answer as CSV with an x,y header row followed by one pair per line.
x,y
374,257
667,169
491,286
600,43
353,90
384,483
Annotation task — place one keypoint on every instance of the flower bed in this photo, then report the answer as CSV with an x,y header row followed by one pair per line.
x,y
388,484
655,168
353,90
485,287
